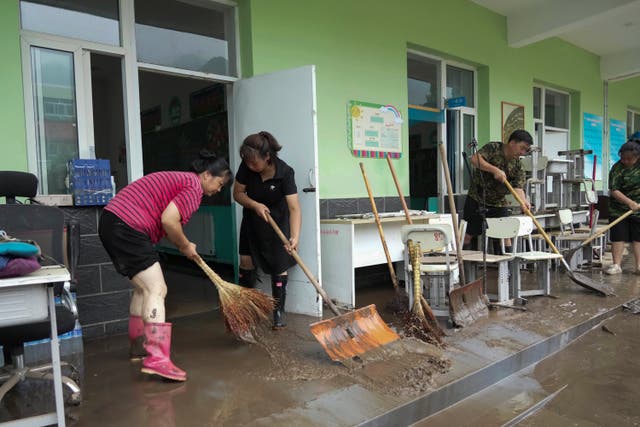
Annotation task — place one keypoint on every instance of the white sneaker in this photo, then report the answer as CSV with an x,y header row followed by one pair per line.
x,y
613,269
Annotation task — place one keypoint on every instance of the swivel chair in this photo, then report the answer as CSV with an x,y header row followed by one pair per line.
x,y
46,226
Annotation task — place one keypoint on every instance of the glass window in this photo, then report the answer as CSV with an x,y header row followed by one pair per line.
x,y
181,35
423,87
633,122
537,100
460,83
54,108
556,109
91,20
468,133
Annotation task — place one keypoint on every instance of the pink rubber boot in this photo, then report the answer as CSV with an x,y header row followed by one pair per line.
x,y
158,346
136,338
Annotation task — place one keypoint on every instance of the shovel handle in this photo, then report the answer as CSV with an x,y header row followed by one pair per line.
x,y
397,183
392,272
454,212
423,301
304,268
605,229
535,221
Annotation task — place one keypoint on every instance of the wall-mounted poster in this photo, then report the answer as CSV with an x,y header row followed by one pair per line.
x,y
617,137
512,119
592,131
374,130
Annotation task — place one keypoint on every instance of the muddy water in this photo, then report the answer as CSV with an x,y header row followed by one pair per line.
x,y
602,374
289,380
602,371
403,368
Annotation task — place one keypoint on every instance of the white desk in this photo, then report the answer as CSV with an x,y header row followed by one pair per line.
x,y
347,244
30,295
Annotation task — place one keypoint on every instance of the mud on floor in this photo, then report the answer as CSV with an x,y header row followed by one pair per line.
x,y
403,368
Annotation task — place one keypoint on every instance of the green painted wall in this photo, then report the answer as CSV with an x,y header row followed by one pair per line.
x,y
14,153
359,48
623,95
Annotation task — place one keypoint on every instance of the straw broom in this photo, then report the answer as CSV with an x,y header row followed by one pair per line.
x,y
416,322
242,308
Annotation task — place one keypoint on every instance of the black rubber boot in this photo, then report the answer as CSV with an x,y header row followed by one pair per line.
x,y
247,278
279,292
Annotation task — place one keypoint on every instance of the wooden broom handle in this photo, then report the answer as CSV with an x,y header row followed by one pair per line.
x,y
208,271
454,213
392,271
395,181
304,268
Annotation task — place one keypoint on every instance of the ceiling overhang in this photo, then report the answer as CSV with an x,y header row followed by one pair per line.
x,y
607,28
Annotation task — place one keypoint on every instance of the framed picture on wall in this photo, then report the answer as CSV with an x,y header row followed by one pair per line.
x,y
512,118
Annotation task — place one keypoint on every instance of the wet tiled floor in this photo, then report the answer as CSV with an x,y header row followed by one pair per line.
x,y
233,383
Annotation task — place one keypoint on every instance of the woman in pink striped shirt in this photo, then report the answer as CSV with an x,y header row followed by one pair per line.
x,y
142,213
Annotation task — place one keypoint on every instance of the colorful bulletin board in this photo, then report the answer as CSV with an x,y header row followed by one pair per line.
x,y
592,131
374,130
617,137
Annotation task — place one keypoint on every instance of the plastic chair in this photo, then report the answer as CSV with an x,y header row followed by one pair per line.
x,y
518,228
577,236
501,261
441,272
536,185
566,228
45,225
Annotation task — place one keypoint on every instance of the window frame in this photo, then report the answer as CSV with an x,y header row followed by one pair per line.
x,y
130,67
633,125
460,112
542,119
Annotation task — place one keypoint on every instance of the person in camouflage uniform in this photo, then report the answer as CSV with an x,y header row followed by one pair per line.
x,y
624,194
494,164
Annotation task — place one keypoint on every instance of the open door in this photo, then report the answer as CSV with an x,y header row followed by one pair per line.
x,y
284,103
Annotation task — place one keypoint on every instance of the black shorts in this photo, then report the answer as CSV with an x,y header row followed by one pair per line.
x,y
267,251
130,250
244,247
627,230
474,220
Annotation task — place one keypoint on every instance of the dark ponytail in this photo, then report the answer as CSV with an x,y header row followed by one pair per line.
x,y
259,145
216,166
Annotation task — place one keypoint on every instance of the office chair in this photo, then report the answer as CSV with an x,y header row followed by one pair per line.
x,y
45,225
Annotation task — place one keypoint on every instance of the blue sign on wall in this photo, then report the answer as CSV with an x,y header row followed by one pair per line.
x,y
460,101
617,137
592,131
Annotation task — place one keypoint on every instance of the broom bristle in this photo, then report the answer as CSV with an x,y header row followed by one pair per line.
x,y
243,308
418,327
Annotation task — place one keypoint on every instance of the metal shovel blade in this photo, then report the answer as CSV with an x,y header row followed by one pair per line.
x,y
589,283
352,334
467,304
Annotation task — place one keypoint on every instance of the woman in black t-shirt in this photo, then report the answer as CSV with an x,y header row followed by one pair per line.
x,y
266,184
